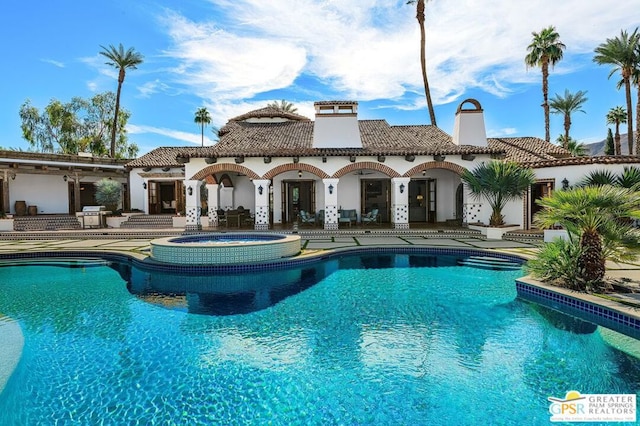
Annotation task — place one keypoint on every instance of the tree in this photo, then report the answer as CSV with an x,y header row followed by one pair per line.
x,y
629,178
82,125
600,217
621,53
420,7
545,49
121,60
283,106
566,105
616,116
609,148
202,118
573,146
108,193
498,182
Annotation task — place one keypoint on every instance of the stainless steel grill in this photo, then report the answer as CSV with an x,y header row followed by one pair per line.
x,y
93,216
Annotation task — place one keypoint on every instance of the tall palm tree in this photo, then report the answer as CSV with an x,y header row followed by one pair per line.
x,y
616,116
122,60
545,49
202,118
566,105
283,106
420,6
599,215
621,53
498,182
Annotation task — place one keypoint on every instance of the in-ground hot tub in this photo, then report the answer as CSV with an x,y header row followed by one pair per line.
x,y
224,249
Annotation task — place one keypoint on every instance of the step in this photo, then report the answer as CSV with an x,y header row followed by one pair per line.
x,y
487,262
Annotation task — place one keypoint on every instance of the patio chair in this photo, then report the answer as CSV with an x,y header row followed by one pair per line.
x,y
348,216
306,218
372,217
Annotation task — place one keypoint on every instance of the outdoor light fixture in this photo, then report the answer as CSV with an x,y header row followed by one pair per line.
x,y
296,159
402,188
260,189
299,173
144,185
565,184
13,176
439,157
190,191
330,189
381,158
424,172
352,158
65,177
409,157
324,159
266,160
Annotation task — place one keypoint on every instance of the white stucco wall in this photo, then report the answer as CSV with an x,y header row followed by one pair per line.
x,y
49,193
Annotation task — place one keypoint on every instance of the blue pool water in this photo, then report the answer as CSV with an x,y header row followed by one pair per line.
x,y
226,238
384,340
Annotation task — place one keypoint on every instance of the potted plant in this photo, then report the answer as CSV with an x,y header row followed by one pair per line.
x,y
498,182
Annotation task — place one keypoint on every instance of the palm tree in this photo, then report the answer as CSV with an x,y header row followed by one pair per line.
x,y
545,49
420,6
629,178
567,105
617,115
202,118
621,53
121,60
283,106
498,182
575,148
599,216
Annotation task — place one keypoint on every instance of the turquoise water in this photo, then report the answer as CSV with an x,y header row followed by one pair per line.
x,y
395,346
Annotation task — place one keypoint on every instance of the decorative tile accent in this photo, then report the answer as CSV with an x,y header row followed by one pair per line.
x,y
331,217
262,217
213,216
601,315
471,212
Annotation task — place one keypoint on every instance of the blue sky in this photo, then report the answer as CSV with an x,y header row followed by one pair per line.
x,y
233,56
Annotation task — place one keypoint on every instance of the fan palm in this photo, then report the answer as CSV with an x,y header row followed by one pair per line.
x,y
420,6
600,217
498,182
567,105
629,178
283,106
545,49
621,53
575,148
122,60
616,116
202,118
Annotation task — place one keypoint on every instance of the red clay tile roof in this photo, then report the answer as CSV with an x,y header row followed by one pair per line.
x,y
270,112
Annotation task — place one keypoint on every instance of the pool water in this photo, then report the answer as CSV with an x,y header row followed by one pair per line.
x,y
341,342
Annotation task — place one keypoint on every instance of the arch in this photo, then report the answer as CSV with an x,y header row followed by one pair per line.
x,y
446,165
224,167
295,166
366,165
474,102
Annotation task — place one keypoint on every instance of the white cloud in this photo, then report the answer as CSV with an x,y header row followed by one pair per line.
x,y
169,133
497,133
53,62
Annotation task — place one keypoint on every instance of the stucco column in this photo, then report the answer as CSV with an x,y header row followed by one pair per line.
x,y
400,202
192,204
212,203
330,203
262,204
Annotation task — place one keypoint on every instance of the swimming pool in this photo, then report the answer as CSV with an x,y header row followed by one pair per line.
x,y
356,339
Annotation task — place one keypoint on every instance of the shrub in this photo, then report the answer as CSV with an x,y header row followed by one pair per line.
x,y
557,263
108,193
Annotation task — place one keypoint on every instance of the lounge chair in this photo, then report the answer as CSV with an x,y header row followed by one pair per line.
x,y
372,217
306,218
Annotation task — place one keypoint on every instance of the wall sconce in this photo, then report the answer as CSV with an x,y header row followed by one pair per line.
x,y
419,197
381,158
352,158
424,172
324,159
299,173
439,157
266,160
296,159
565,184
144,185
330,189
190,191
260,189
402,188
64,178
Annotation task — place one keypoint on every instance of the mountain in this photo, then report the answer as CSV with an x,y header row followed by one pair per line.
x,y
597,148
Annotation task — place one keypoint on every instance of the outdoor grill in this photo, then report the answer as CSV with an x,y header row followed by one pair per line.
x,y
93,216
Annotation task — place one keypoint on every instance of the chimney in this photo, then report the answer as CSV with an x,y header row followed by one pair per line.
x,y
336,125
468,128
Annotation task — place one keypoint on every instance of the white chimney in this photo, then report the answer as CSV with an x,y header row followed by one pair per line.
x,y
336,125
468,128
